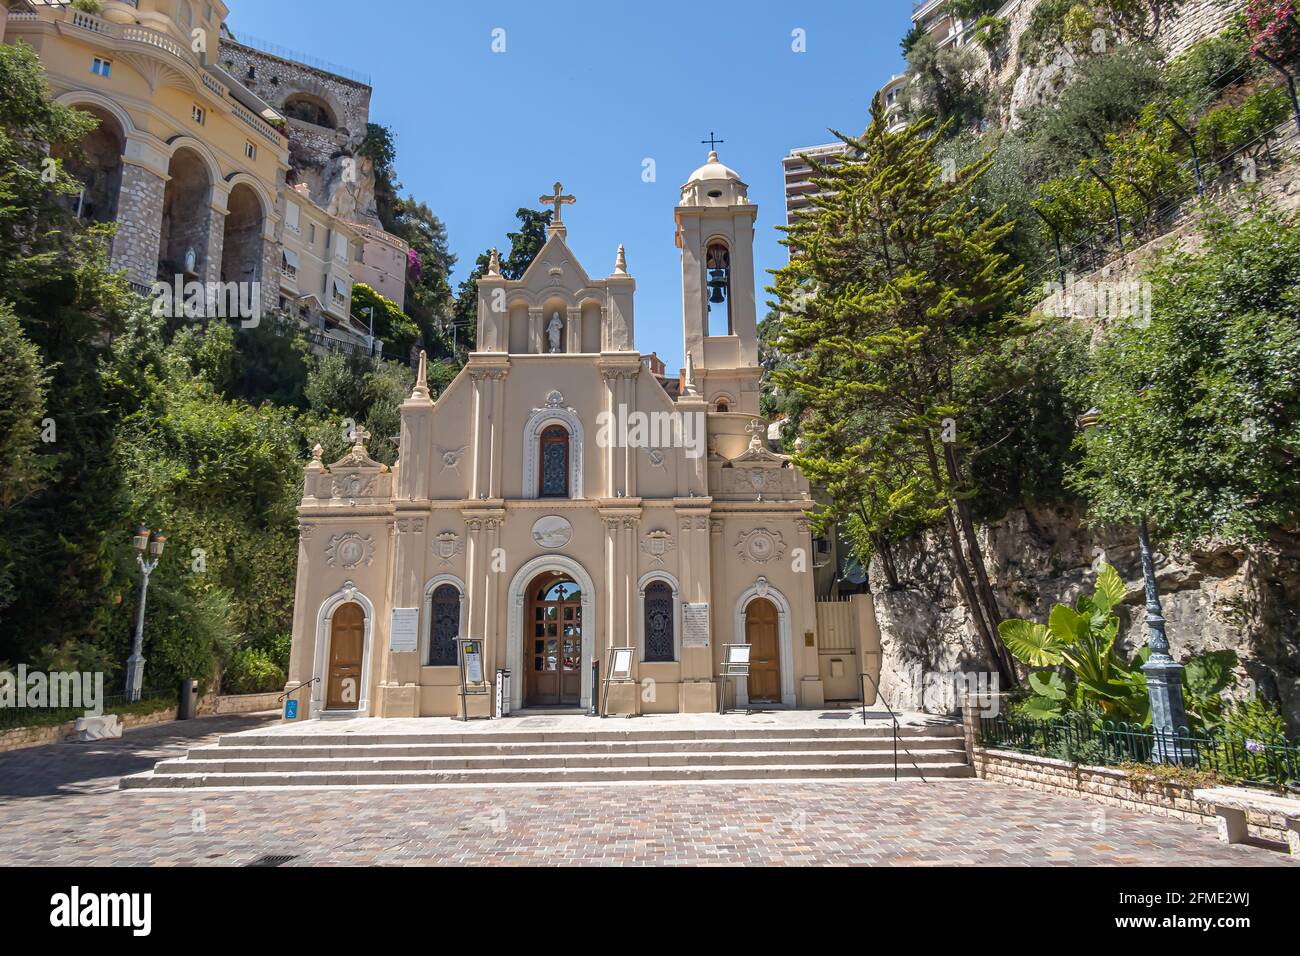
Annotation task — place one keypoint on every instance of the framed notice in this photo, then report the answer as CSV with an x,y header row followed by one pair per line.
x,y
471,674
404,631
695,625
471,664
620,663
735,663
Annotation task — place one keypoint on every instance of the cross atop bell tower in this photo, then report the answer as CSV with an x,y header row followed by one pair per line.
x,y
559,201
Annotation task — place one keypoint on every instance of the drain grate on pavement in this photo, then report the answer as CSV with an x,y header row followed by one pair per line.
x,y
279,860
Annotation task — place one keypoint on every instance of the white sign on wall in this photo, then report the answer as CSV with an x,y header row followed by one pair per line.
x,y
404,631
695,625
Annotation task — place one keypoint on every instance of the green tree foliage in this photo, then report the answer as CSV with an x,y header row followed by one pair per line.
x,y
1108,93
392,325
1080,28
429,265
894,286
941,84
1201,407
524,243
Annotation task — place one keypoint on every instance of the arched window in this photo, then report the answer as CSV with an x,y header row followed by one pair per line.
x,y
444,626
659,642
718,279
553,461
723,408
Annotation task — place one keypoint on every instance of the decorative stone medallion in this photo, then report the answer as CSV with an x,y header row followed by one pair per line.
x,y
350,550
353,486
760,546
450,457
552,532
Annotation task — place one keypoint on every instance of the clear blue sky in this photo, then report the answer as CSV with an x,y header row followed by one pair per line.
x,y
584,93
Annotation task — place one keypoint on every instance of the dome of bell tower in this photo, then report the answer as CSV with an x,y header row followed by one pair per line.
x,y
714,184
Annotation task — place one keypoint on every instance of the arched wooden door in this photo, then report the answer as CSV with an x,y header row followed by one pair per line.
x,y
347,645
554,668
762,634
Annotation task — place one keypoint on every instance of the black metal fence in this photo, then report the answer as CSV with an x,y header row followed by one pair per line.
x,y
12,718
1273,762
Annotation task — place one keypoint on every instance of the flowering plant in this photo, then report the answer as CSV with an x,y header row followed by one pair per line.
x,y
1274,30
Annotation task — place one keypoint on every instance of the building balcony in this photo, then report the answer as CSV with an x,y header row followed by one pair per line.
x,y
154,52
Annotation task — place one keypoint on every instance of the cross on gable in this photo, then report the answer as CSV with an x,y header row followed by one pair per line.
x,y
558,200
713,142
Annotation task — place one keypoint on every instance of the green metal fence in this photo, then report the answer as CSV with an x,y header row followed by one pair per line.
x,y
1272,762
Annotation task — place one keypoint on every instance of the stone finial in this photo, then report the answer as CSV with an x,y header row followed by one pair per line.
x,y
620,262
494,264
421,389
317,452
363,437
690,375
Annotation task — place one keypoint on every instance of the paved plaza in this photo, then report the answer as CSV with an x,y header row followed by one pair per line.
x,y
59,805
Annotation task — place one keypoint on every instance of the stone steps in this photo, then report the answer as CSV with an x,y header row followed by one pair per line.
x,y
325,757
793,744
489,778
547,761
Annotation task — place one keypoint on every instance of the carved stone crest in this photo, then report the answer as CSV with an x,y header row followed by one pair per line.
x,y
657,544
760,546
447,546
350,550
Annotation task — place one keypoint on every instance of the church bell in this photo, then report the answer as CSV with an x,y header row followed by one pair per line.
x,y
718,286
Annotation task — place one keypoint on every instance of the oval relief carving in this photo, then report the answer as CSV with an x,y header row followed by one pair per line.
x,y
552,532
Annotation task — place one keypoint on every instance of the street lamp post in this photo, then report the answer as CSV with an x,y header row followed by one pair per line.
x,y
1164,674
154,543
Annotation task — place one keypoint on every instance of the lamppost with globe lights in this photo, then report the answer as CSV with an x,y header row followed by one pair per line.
x,y
1164,674
153,542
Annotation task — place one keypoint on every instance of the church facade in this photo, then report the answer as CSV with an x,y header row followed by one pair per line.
x,y
560,499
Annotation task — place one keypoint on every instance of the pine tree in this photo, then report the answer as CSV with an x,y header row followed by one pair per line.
x,y
894,287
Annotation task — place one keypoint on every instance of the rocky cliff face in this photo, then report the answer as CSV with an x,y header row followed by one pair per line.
x,y
1242,599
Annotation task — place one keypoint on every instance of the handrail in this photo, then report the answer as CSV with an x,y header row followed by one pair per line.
x,y
893,717
290,693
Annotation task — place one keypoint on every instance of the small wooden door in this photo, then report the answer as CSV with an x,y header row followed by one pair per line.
x,y
554,668
347,641
761,633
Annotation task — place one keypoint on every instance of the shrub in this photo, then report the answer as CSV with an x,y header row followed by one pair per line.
x,y
252,670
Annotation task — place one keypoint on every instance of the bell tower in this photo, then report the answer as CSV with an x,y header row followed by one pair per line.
x,y
715,231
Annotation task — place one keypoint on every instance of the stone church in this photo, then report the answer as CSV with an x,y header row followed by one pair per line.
x,y
563,497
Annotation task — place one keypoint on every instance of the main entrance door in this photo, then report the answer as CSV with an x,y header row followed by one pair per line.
x,y
554,668
347,641
761,633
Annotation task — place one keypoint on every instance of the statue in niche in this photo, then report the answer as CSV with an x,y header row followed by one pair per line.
x,y
554,330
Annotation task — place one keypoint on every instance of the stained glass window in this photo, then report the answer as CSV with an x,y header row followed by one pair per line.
x,y
555,462
658,622
444,627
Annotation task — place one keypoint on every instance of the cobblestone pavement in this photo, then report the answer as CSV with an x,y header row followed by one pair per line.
x,y
59,806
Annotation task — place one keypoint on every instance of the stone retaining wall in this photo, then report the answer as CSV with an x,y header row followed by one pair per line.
x,y
21,737
1110,786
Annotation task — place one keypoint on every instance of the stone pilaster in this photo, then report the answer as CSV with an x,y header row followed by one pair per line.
x,y
139,223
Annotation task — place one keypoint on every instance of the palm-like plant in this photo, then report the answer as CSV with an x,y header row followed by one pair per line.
x,y
1085,674
1079,644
